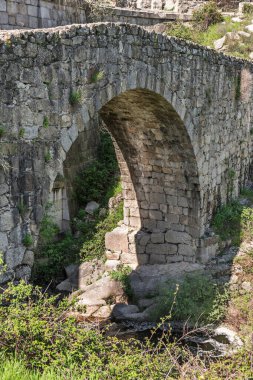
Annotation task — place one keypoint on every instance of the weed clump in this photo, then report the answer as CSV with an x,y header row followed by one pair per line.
x,y
207,15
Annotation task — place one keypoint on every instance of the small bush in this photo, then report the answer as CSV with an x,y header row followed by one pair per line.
x,y
121,274
27,240
180,30
2,132
196,299
207,15
97,181
75,98
47,156
21,132
247,8
97,76
45,122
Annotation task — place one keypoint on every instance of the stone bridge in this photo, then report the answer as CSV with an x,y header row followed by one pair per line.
x,y
180,116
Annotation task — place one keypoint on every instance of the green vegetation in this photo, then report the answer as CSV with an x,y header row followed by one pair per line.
x,y
47,156
39,340
196,32
247,8
97,76
98,181
235,220
2,131
121,274
21,132
27,240
45,122
207,15
196,299
75,98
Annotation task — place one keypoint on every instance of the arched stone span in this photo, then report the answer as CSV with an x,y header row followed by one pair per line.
x,y
206,94
160,180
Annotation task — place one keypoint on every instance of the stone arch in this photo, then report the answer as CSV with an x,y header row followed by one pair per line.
x,y
160,180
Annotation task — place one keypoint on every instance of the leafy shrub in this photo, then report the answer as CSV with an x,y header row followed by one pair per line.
x,y
75,98
121,274
21,132
94,233
2,131
234,221
247,8
27,240
45,122
180,30
97,76
196,298
95,182
207,15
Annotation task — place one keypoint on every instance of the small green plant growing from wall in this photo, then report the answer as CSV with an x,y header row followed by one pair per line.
x,y
47,156
75,98
27,240
2,131
22,208
45,122
97,76
21,133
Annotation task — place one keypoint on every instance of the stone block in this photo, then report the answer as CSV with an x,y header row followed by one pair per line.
x,y
3,18
117,240
157,259
155,215
32,11
157,237
112,255
157,198
186,250
33,22
174,258
176,237
3,242
129,258
3,6
28,258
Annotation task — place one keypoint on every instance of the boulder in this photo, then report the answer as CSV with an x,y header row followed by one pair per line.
x,y
124,312
99,291
65,286
249,28
218,44
91,207
223,334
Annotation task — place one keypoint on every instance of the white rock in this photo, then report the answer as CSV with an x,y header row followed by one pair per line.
x,y
249,28
218,44
236,19
243,34
91,207
225,335
251,55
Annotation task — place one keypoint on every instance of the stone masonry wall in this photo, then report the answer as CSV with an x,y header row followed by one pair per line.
x,y
180,115
17,14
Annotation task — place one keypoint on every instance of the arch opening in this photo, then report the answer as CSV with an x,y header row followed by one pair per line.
x,y
159,179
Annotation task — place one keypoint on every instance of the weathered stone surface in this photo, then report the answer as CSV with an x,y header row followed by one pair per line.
x,y
99,291
28,258
124,312
117,239
174,137
91,207
65,286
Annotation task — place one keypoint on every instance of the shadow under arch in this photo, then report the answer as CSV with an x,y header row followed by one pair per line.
x,y
160,181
